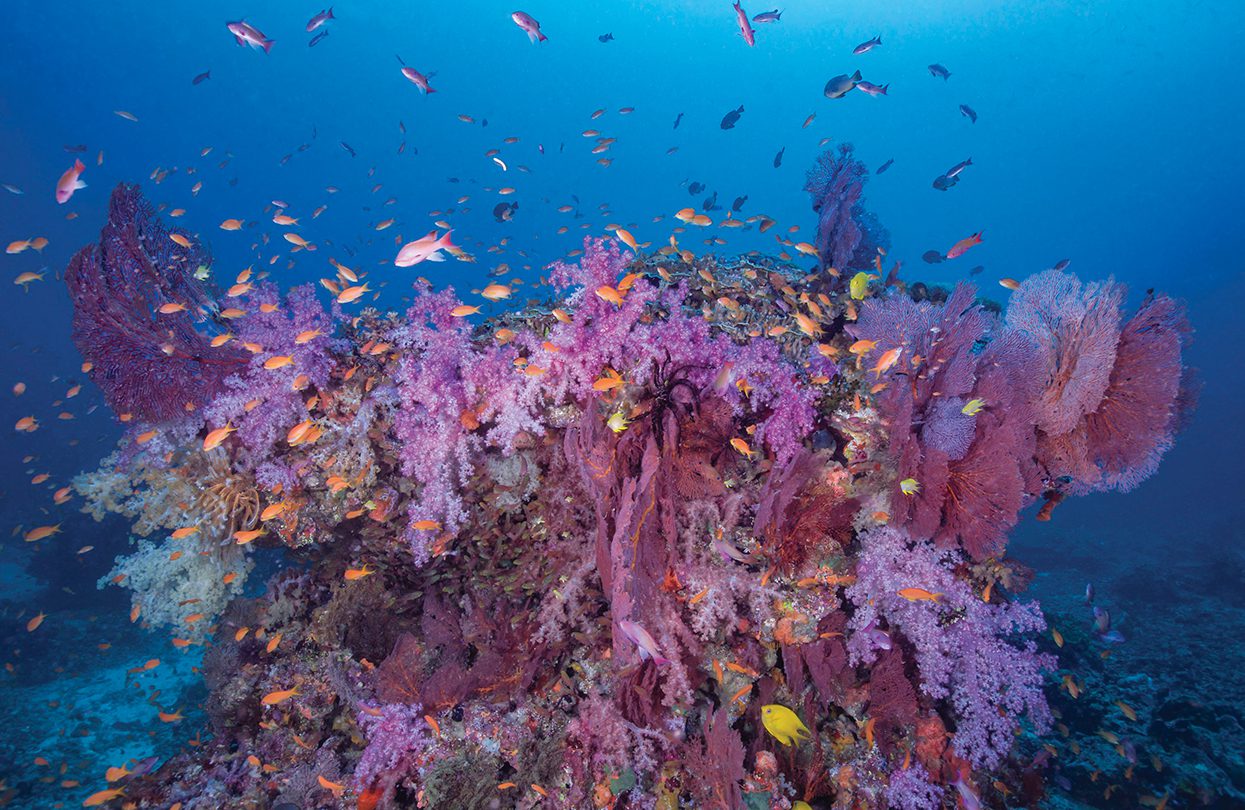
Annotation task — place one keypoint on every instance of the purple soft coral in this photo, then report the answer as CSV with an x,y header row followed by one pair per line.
x,y
989,681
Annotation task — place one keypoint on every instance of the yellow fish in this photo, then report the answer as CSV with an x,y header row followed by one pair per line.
x,y
782,723
859,285
972,407
909,486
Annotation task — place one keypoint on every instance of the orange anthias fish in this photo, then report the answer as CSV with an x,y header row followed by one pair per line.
x,y
102,797
273,698
919,595
214,439
887,360
337,789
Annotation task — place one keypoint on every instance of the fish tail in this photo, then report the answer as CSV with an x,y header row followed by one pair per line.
x,y
267,46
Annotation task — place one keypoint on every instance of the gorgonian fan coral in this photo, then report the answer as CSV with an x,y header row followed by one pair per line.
x,y
847,234
136,306
566,555
1112,396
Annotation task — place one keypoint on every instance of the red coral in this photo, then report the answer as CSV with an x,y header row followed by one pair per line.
x,y
803,511
716,765
892,700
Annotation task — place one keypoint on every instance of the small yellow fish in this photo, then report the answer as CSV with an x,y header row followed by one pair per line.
x,y
859,285
972,407
909,486
783,724
617,422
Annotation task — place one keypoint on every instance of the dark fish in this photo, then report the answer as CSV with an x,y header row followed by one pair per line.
x,y
978,270
484,122
605,38
75,150
739,202
968,113
504,212
711,203
303,147
286,159
1062,264
778,157
939,71
768,17
955,170
729,120
943,182
402,126
840,86
202,77
319,20
695,188
932,257
677,120
346,146
865,47
885,166
317,38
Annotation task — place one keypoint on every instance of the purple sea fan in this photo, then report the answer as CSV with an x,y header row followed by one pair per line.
x,y
971,468
1119,444
147,363
835,184
1076,329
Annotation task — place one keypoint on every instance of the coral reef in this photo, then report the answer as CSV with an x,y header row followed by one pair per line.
x,y
566,556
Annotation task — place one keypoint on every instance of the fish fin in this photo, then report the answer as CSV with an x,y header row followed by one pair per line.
x,y
267,46
856,76
79,184
435,257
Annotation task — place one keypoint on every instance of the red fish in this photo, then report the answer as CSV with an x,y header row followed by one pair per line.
x,y
961,247
745,26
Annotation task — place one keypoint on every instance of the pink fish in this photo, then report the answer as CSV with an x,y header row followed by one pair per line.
x,y
528,23
871,88
70,182
745,27
641,638
961,247
247,34
320,19
425,249
416,78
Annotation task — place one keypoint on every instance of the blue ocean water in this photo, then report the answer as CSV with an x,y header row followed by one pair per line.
x,y
1108,133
